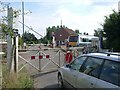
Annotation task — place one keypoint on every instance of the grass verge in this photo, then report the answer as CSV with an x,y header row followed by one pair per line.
x,y
19,80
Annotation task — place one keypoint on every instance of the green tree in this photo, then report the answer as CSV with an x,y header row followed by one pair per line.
x,y
77,31
20,41
29,38
96,33
100,33
4,28
111,27
4,19
50,30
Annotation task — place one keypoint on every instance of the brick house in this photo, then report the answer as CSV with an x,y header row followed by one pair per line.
x,y
61,36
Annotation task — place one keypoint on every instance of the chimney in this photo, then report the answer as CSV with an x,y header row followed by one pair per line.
x,y
61,24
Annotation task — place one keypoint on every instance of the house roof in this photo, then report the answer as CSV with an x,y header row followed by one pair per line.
x,y
70,31
63,33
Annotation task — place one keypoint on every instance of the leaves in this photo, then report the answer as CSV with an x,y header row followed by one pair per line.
x,y
50,30
77,31
29,38
111,27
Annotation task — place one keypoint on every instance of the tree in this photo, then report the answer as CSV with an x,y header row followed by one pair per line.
x,y
29,38
111,27
77,31
97,32
49,31
4,28
101,34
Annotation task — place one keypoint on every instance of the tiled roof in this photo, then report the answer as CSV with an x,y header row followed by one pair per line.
x,y
63,33
70,31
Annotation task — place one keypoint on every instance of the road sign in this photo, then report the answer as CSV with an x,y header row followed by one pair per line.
x,y
68,57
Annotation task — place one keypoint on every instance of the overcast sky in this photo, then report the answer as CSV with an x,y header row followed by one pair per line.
x,y
84,15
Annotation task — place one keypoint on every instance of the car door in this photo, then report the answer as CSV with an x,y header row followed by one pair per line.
x,y
71,71
110,75
89,72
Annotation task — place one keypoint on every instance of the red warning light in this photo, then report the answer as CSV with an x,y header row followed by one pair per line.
x,y
47,56
32,57
40,57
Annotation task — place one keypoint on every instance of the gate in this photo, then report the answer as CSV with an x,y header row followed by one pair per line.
x,y
42,60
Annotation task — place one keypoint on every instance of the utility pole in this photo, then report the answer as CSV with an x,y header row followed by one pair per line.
x,y
119,7
23,19
9,38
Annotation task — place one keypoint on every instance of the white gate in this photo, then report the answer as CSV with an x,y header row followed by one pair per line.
x,y
42,60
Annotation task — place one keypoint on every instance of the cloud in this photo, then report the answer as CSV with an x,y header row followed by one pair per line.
x,y
85,23
51,12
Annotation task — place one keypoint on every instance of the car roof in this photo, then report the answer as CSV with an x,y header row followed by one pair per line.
x,y
106,55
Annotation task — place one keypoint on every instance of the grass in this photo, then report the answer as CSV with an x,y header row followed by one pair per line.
x,y
19,80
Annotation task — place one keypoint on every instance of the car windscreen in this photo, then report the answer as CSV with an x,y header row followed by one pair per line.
x,y
73,38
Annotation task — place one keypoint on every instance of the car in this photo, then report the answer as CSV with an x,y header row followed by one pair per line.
x,y
92,70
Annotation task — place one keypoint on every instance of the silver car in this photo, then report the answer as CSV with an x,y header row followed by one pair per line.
x,y
93,70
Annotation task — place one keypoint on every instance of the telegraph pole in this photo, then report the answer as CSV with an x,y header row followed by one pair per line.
x,y
23,18
9,38
119,7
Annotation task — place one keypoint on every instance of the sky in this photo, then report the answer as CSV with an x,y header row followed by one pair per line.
x,y
83,15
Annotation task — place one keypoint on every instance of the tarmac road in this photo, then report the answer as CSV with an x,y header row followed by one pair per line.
x,y
46,80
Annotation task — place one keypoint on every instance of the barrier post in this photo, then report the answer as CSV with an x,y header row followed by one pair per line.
x,y
16,50
39,63
59,58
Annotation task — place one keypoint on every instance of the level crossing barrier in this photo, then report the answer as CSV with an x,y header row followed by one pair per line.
x,y
46,58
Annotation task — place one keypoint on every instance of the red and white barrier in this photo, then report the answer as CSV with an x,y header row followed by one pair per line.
x,y
40,57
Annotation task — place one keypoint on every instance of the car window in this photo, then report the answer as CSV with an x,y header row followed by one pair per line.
x,y
92,66
76,64
111,72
